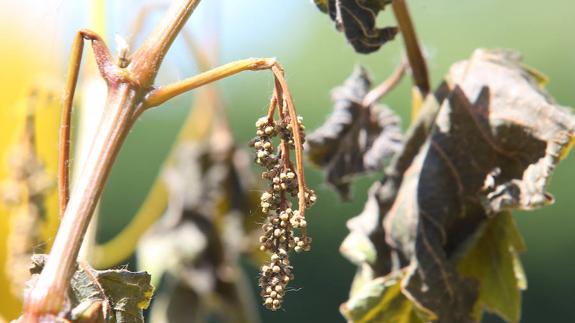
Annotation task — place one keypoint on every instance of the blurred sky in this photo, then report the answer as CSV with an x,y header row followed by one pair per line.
x,y
317,58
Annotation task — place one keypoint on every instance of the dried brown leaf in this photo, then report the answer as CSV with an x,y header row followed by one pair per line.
x,y
357,20
195,249
491,147
355,139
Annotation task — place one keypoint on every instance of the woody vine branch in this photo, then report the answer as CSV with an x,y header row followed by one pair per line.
x,y
130,92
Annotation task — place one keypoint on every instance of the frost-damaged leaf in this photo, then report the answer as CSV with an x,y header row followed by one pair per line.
x,y
444,201
355,139
357,20
195,249
116,295
494,262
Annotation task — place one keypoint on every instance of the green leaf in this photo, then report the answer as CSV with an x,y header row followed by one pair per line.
x,y
381,301
119,293
357,20
494,262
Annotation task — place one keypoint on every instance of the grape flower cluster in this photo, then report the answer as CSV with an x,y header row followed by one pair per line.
x,y
279,230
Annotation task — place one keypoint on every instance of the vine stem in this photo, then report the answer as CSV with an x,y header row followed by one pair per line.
x,y
127,87
279,75
130,92
65,121
165,93
385,87
414,54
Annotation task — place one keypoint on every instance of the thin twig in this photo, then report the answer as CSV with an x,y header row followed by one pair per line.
x,y
65,121
386,86
138,23
164,93
203,60
414,55
279,74
272,107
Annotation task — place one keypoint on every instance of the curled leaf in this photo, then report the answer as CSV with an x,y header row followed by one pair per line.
x,y
490,147
357,20
355,139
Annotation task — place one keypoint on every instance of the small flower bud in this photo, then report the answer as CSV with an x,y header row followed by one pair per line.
x,y
266,196
261,122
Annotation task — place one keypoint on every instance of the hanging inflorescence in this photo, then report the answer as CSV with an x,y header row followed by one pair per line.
x,y
282,220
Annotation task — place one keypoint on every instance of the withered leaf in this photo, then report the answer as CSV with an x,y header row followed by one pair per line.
x,y
355,139
357,20
196,247
491,148
118,295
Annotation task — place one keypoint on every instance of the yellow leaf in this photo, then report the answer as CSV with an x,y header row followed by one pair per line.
x,y
494,262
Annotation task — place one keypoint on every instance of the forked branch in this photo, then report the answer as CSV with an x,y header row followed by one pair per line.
x,y
130,92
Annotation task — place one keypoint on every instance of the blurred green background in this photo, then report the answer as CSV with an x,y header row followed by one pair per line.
x,y
316,59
